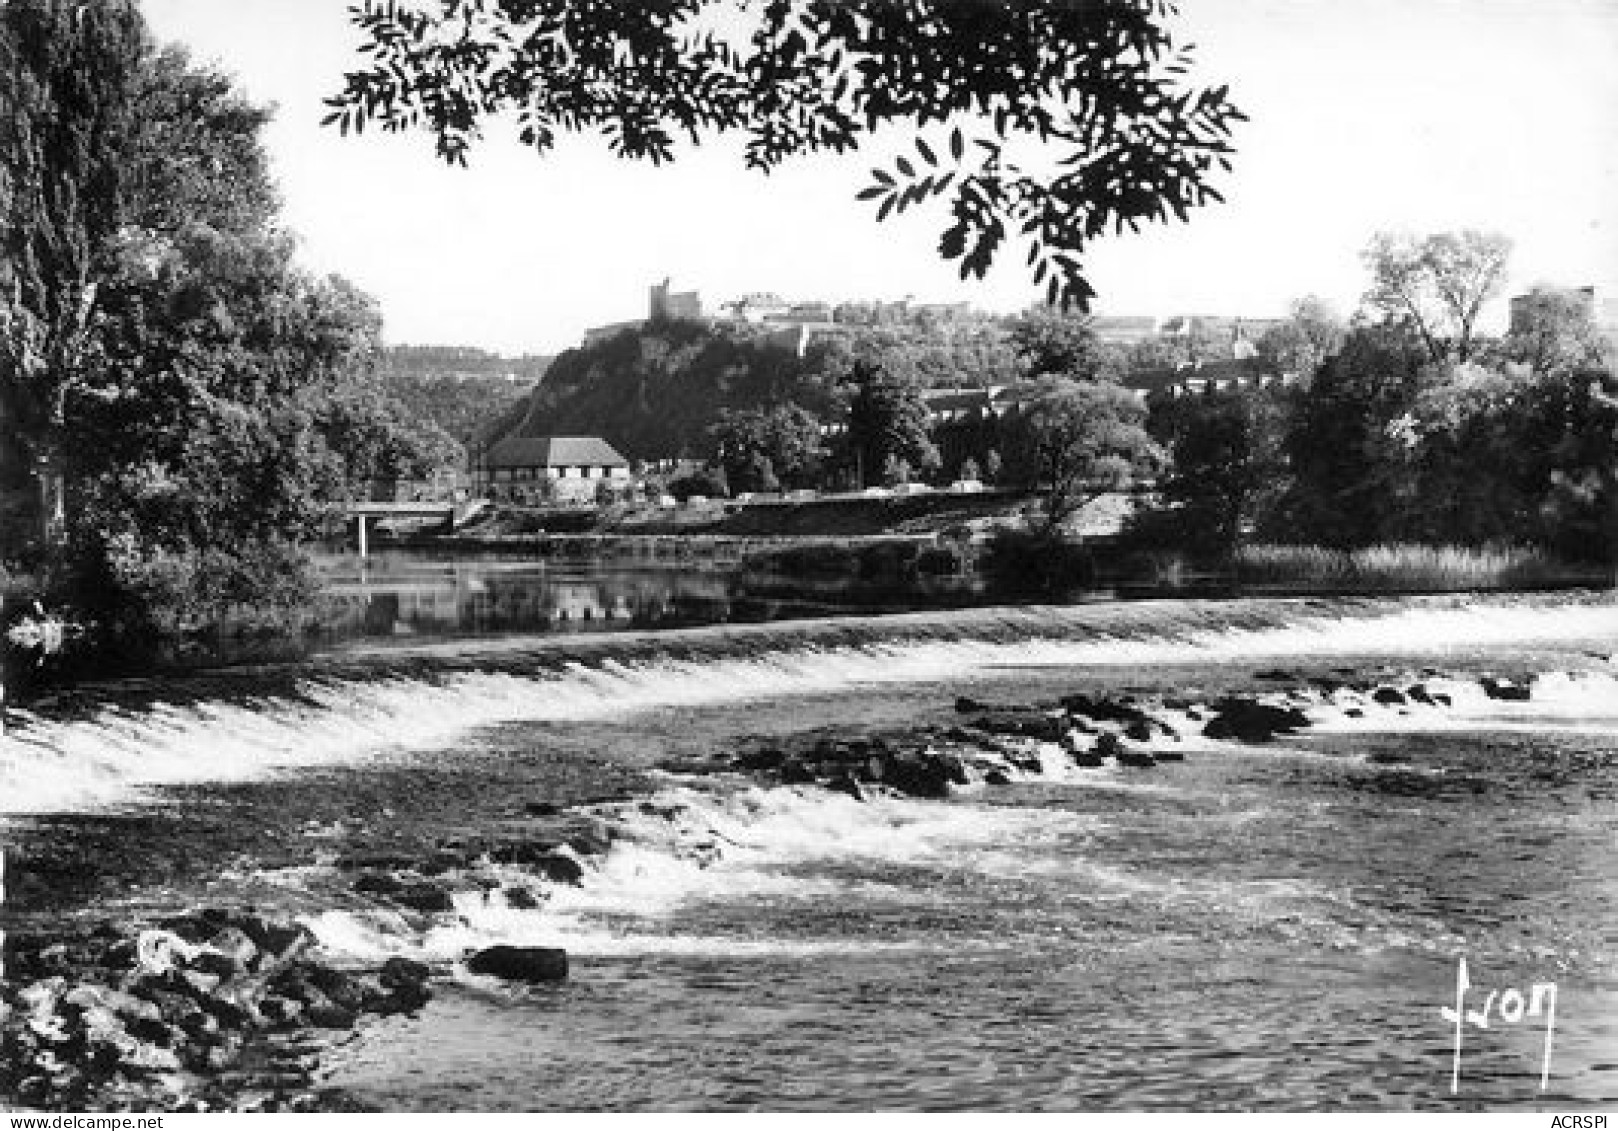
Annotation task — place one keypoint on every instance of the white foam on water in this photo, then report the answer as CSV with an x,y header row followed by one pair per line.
x,y
755,847
1560,702
55,765
745,847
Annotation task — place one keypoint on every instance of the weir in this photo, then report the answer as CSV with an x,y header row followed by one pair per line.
x,y
243,724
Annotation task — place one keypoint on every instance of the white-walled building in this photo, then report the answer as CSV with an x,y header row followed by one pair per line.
x,y
547,468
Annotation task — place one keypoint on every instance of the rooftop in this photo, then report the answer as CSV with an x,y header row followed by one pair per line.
x,y
554,451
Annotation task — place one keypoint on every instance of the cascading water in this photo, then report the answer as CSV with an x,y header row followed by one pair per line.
x,y
1270,926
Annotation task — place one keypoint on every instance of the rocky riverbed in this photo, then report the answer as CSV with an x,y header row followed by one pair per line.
x,y
225,1007
995,743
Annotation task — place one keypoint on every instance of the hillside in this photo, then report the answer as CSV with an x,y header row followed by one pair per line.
x,y
462,389
652,392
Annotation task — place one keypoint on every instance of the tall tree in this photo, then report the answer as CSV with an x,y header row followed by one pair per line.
x,y
1299,345
1511,454
204,400
1098,85
1438,285
1079,441
887,419
784,441
1051,343
68,80
1226,466
1350,442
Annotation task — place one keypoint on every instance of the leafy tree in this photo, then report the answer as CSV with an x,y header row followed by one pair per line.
x,y
1227,464
1078,441
1311,333
1350,441
1511,454
1053,344
1437,285
226,407
68,77
205,400
969,354
887,419
198,157
1175,350
761,448
709,482
1098,85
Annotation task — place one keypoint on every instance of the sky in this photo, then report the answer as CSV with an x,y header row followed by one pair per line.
x,y
1377,115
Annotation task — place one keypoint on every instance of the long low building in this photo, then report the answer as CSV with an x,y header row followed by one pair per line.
x,y
549,468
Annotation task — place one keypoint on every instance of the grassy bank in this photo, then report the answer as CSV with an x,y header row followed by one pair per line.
x,y
1405,568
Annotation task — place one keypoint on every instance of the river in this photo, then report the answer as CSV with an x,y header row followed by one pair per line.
x,y
1259,926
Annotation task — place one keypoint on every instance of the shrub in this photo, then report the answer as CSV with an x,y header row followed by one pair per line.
x,y
1037,562
138,596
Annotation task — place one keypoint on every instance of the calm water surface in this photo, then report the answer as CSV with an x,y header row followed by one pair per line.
x,y
404,594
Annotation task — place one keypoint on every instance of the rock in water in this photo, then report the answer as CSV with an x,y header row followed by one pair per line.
x,y
1046,728
398,972
521,898
1249,721
923,773
559,869
1505,690
1088,757
521,963
425,897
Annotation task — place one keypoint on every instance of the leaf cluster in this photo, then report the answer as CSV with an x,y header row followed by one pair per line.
x,y
1098,90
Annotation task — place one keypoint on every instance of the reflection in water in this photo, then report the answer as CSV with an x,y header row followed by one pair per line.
x,y
406,594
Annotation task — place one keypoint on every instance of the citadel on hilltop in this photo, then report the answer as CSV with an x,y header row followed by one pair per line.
x,y
795,323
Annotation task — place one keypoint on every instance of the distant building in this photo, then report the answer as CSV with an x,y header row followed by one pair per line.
x,y
1223,375
755,307
1602,307
1124,329
803,314
956,406
536,469
666,303
663,303
974,406
798,336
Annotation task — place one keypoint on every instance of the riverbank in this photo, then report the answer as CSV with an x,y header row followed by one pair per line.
x,y
601,764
